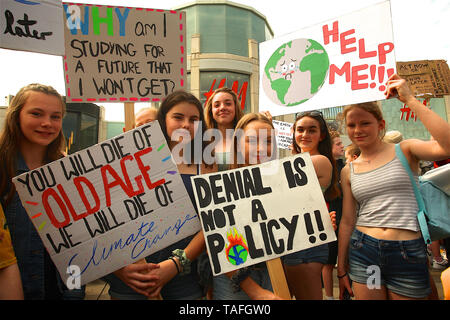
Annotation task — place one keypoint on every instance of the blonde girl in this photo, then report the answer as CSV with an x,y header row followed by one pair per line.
x,y
384,242
31,137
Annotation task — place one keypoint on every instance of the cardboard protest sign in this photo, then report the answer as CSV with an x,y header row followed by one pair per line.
x,y
258,213
341,61
283,134
426,77
109,205
123,54
35,26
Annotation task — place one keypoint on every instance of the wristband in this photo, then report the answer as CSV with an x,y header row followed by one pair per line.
x,y
344,275
176,264
184,261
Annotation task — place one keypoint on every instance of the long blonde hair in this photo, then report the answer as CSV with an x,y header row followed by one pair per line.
x,y
238,113
11,136
242,124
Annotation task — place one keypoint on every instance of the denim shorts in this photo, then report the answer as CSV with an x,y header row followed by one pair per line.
x,y
223,290
315,254
401,265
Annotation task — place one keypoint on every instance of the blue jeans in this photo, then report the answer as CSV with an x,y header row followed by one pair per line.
x,y
402,264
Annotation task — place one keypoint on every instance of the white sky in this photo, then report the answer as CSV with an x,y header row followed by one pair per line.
x,y
420,29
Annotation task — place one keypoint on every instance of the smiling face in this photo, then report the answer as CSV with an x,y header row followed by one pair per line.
x,y
362,127
307,134
182,116
223,109
40,119
257,142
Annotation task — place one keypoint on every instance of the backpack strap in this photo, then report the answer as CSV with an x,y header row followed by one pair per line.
x,y
420,203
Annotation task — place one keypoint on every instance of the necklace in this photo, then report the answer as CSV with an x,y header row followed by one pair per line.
x,y
376,155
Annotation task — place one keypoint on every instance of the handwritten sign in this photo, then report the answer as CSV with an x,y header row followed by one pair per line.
x,y
427,77
117,54
32,26
283,134
109,205
258,213
341,61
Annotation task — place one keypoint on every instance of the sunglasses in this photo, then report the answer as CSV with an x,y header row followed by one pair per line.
x,y
314,113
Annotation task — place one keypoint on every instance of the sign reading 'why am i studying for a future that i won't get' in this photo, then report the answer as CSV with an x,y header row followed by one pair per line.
x,y
123,54
109,205
262,212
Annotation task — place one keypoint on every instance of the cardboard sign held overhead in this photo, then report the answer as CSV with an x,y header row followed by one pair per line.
x,y
35,26
426,77
110,205
258,213
123,54
338,62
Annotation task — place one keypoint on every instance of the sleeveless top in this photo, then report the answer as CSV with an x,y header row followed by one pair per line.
x,y
385,197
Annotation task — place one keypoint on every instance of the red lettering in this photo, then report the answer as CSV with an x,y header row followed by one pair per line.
x,y
89,209
144,169
333,32
362,50
242,95
138,179
345,42
116,182
356,77
48,209
335,70
383,50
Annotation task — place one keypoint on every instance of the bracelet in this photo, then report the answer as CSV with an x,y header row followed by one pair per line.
x,y
344,275
184,261
176,264
239,276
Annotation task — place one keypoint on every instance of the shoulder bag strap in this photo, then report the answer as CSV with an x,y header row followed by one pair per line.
x,y
421,213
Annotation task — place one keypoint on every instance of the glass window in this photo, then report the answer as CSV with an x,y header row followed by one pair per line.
x,y
240,83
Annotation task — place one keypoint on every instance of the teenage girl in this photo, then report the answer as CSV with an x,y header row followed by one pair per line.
x,y
382,249
252,282
31,137
304,268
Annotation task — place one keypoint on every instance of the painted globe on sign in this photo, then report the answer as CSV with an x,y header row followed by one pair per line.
x,y
237,255
295,72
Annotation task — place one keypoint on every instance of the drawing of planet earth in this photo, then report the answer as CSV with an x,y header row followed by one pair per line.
x,y
295,72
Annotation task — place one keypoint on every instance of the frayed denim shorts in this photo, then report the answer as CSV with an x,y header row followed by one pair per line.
x,y
314,254
400,266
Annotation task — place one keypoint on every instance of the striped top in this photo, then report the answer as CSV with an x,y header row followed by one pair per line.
x,y
385,197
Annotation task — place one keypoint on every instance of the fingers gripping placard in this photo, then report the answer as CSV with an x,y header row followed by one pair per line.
x,y
258,213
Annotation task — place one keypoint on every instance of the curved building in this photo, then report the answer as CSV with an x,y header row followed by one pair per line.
x,y
222,48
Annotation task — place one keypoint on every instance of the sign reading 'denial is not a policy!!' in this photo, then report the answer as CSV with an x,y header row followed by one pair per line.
x,y
338,62
258,213
109,205
123,54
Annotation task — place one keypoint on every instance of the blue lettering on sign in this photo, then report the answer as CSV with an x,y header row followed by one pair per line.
x,y
31,3
142,241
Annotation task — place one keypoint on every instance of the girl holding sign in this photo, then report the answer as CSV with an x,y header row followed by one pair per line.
x,y
178,116
304,268
31,137
385,254
252,282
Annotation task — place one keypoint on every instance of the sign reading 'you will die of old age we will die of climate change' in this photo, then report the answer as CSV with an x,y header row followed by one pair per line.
x,y
109,205
262,212
123,54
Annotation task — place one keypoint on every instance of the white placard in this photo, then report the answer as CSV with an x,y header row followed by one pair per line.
x,y
109,205
258,213
338,62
